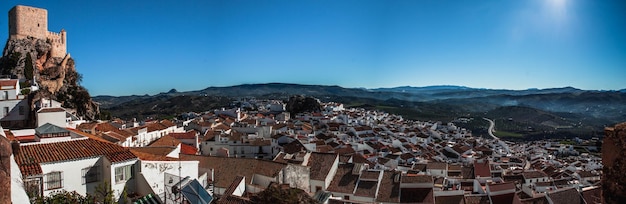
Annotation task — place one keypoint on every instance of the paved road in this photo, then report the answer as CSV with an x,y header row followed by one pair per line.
x,y
492,125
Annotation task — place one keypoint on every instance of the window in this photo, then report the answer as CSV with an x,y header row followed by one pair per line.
x,y
5,95
54,180
33,187
123,173
91,174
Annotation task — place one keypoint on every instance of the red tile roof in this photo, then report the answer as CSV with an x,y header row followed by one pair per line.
x,y
344,181
31,156
51,110
165,141
417,195
153,153
228,168
168,123
389,190
184,135
155,126
482,169
12,82
187,149
320,164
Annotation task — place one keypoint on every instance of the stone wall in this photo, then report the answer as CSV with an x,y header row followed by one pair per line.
x,y
25,21
28,21
5,169
614,162
58,42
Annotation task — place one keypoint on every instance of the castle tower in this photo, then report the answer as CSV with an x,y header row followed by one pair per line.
x,y
28,21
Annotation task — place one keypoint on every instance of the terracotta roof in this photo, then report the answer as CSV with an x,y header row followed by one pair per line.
x,y
501,187
345,150
87,126
593,195
389,191
184,135
293,147
153,153
417,179
417,195
320,164
366,189
476,199
505,198
228,168
168,123
188,149
165,141
420,167
69,150
27,138
482,169
11,82
533,174
369,175
450,199
155,127
210,135
344,181
360,159
51,110
105,127
233,186
565,196
437,165
9,135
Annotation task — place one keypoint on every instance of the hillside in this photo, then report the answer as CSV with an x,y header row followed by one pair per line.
x,y
31,61
545,111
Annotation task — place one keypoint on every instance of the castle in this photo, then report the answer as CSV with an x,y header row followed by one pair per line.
x,y
25,21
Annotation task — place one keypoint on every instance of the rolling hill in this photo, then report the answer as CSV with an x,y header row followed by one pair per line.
x,y
543,110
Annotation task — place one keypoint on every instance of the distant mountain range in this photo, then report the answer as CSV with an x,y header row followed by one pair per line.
x,y
561,107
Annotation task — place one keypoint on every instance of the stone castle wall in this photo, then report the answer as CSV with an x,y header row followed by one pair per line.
x,y
614,164
25,21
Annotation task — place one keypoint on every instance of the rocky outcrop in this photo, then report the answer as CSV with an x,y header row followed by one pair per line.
x,y
614,162
31,59
5,170
300,104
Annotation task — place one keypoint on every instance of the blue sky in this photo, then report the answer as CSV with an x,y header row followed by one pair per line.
x,y
147,47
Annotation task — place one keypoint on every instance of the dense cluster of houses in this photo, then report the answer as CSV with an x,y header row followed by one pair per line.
x,y
337,155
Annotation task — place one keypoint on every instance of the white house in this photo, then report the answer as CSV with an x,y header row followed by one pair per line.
x,y
152,170
14,105
79,165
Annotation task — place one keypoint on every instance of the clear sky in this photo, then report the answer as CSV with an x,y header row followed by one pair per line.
x,y
147,47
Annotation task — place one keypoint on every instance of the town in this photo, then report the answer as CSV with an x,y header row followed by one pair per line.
x,y
337,155
52,144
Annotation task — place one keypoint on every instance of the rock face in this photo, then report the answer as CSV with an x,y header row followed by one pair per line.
x,y
5,170
299,104
31,59
614,162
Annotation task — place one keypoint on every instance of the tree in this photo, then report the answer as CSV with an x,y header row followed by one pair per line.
x,y
28,67
63,197
104,193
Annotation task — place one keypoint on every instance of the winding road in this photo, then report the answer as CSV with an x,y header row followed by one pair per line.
x,y
492,125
